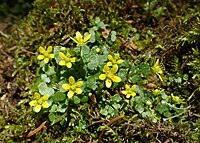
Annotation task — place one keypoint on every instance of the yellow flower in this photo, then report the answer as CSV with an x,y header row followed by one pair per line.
x,y
79,38
114,60
73,87
157,69
66,59
129,91
39,102
158,91
109,75
45,54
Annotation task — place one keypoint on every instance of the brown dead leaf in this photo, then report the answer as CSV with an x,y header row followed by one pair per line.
x,y
133,46
105,33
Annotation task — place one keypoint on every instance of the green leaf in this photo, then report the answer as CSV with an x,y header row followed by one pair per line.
x,y
50,71
84,99
116,98
45,78
59,96
134,79
85,50
91,83
77,100
161,108
116,106
94,62
139,108
54,108
113,36
122,73
93,36
44,89
57,49
104,111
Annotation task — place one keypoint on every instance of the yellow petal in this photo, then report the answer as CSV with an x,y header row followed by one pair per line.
x,y
127,87
51,56
40,57
42,50
78,90
36,95
70,94
73,60
119,61
116,79
133,87
71,80
133,93
128,95
106,69
74,40
66,86
114,69
62,63
45,97
69,64
45,104
79,84
109,64
37,108
117,56
110,57
124,92
68,54
108,83
46,60
49,49
33,103
102,77
86,38
79,37
61,55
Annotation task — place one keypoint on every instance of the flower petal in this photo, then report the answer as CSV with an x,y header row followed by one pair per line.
x,y
74,40
46,60
106,69
108,83
61,55
124,92
117,56
66,86
127,87
40,57
110,57
70,94
36,95
45,104
69,64
37,108
116,79
49,49
114,69
133,93
79,84
79,37
68,54
62,63
71,80
73,60
78,90
133,87
119,61
51,56
45,97
109,64
102,77
33,103
86,38
128,95
42,50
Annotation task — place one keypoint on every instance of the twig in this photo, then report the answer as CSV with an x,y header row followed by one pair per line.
x,y
3,34
37,129
108,124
